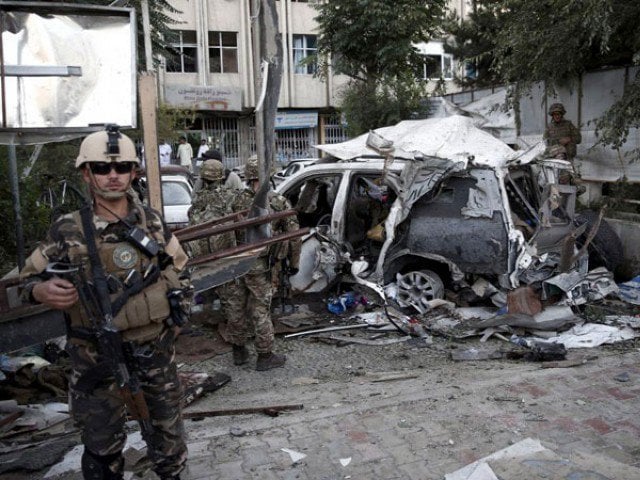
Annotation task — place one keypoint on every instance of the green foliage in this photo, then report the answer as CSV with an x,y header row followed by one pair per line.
x,y
55,163
555,41
368,106
372,41
473,42
613,126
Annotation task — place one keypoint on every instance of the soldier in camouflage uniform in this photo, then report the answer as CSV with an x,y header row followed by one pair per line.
x,y
212,201
561,131
106,161
246,301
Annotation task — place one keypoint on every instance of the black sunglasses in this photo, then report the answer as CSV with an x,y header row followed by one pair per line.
x,y
104,168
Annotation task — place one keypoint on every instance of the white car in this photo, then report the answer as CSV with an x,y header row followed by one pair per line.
x,y
176,199
292,168
177,195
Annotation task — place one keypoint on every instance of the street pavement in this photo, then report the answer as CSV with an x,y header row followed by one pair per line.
x,y
403,412
425,423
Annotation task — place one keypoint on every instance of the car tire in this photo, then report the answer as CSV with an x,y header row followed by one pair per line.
x,y
416,288
605,250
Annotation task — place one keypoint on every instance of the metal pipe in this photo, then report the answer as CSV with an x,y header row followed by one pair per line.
x,y
15,194
227,227
228,252
216,221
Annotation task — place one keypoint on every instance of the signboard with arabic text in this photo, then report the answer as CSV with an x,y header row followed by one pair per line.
x,y
203,98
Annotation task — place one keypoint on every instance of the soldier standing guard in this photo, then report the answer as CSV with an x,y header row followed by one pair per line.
x,y
561,131
246,301
131,248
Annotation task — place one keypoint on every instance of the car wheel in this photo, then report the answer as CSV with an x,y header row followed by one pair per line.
x,y
417,288
605,250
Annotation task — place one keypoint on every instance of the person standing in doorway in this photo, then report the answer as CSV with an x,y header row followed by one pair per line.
x,y
185,153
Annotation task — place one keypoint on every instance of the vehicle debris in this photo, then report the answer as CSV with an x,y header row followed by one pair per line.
x,y
432,209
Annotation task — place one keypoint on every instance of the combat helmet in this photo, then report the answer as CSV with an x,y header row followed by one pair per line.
x,y
557,107
251,168
107,146
212,170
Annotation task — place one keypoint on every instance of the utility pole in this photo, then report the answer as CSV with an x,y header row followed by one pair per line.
x,y
267,48
148,88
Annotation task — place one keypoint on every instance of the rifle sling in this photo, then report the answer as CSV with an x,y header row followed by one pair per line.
x,y
120,302
99,276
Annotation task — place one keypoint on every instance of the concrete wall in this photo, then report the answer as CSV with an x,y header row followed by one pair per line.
x,y
629,231
585,102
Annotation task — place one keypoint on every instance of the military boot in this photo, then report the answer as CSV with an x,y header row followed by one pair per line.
x,y
240,354
267,361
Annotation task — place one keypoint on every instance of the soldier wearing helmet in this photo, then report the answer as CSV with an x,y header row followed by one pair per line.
x,y
143,261
230,179
212,200
246,301
561,131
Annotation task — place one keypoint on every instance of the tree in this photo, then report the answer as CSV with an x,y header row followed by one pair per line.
x,y
373,42
556,41
473,42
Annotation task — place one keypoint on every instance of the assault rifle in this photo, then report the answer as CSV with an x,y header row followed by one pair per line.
x,y
96,302
284,285
110,344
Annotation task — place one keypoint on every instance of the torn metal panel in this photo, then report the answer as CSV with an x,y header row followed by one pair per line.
x,y
483,199
579,288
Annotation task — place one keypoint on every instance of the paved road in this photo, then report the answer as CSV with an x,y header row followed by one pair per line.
x,y
424,427
403,412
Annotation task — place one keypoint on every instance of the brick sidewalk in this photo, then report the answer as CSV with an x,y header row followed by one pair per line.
x,y
426,427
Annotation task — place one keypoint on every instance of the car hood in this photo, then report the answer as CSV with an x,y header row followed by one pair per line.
x,y
455,138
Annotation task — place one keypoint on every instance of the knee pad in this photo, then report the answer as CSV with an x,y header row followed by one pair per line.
x,y
102,467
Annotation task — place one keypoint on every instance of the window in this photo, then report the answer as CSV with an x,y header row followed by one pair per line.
x,y
223,52
435,67
186,58
304,46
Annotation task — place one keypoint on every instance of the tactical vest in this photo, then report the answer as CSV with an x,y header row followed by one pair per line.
x,y
143,316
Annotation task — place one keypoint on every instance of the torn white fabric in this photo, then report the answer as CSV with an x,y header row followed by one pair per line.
x,y
455,137
591,335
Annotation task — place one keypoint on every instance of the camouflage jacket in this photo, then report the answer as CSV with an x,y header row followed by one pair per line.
x,y
564,128
210,203
277,203
66,243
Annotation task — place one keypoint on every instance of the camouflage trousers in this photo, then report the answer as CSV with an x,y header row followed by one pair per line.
x,y
246,304
99,410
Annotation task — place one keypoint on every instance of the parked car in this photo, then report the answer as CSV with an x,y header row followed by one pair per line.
x,y
177,193
423,224
292,168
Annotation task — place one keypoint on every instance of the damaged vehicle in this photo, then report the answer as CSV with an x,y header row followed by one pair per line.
x,y
433,206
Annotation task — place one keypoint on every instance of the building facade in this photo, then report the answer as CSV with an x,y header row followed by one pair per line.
x,y
214,75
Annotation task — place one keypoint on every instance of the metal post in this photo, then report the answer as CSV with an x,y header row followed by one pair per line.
x,y
15,195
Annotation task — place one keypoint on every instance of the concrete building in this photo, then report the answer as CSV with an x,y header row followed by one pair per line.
x,y
215,71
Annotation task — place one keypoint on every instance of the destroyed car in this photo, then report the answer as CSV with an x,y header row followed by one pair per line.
x,y
445,205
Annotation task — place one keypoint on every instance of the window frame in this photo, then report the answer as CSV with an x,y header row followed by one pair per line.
x,y
305,51
444,69
218,51
182,47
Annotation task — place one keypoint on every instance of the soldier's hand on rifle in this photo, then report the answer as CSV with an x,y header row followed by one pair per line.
x,y
56,293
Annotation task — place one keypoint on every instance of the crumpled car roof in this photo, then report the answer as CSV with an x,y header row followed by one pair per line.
x,y
455,138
